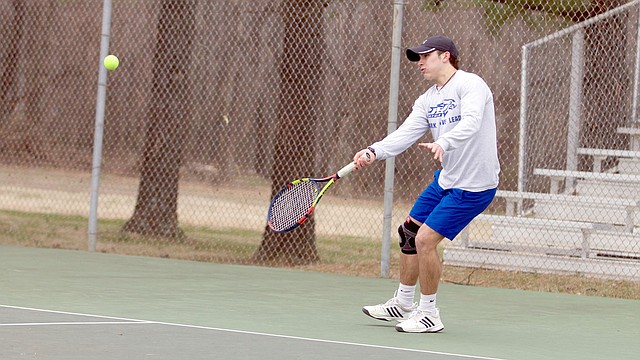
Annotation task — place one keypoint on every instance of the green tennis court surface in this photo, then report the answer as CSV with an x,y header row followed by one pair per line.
x,y
58,304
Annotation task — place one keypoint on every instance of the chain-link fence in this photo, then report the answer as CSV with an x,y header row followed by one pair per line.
x,y
577,201
216,105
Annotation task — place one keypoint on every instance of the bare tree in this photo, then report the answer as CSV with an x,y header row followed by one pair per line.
x,y
10,52
300,74
156,212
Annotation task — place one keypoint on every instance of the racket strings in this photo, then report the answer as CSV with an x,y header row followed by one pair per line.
x,y
292,204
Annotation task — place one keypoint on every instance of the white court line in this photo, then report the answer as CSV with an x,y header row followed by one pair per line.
x,y
329,341
134,321
72,313
78,323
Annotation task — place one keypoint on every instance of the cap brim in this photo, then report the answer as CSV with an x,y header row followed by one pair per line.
x,y
413,54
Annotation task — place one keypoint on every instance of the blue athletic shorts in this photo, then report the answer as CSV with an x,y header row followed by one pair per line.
x,y
449,211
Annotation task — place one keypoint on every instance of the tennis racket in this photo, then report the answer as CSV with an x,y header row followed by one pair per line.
x,y
297,200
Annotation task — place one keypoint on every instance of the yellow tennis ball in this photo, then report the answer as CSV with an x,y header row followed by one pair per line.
x,y
111,62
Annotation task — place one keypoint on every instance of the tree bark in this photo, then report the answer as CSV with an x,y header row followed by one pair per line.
x,y
156,211
300,74
9,66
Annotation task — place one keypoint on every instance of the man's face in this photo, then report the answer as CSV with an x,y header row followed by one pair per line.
x,y
431,65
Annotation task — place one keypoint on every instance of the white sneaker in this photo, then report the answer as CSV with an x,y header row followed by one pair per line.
x,y
391,310
421,321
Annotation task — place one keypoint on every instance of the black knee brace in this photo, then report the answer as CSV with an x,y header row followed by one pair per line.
x,y
407,232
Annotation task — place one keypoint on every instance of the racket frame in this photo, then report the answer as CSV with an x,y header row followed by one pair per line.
x,y
330,180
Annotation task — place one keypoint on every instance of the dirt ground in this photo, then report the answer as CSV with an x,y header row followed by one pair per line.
x,y
243,204
52,191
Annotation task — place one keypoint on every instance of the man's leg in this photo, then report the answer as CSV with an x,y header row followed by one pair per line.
x,y
401,305
426,318
409,263
409,269
455,209
430,267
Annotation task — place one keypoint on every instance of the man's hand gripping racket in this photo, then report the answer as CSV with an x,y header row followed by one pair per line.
x,y
297,200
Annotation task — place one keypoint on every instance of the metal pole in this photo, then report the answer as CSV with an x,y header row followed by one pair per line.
x,y
99,126
575,104
636,75
522,150
392,124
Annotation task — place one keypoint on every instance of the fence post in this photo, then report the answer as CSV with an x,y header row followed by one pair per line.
x,y
636,80
392,124
522,137
99,126
575,104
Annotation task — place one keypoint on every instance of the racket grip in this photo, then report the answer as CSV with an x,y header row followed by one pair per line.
x,y
346,170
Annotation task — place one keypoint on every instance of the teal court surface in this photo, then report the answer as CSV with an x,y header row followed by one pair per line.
x,y
60,304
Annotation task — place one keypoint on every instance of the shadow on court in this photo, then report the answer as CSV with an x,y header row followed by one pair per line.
x,y
58,304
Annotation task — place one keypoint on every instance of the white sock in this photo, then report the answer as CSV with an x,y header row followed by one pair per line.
x,y
405,295
427,302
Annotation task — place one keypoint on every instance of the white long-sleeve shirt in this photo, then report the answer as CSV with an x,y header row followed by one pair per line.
x,y
461,117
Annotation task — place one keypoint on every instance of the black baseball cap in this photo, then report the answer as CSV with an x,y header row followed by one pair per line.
x,y
438,42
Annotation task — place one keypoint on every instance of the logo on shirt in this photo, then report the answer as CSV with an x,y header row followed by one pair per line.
x,y
441,109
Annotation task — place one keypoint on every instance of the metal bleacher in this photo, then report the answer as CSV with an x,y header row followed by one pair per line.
x,y
576,231
576,208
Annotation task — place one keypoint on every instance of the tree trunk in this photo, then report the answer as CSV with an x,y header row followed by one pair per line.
x,y
156,211
10,51
300,74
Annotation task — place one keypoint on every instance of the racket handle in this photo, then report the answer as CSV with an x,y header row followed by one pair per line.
x,y
346,170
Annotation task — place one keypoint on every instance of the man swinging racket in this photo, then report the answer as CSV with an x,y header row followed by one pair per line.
x,y
459,111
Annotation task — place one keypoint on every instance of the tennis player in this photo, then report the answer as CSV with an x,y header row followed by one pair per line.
x,y
458,109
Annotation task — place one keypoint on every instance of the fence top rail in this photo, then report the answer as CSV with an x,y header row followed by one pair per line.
x,y
581,25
